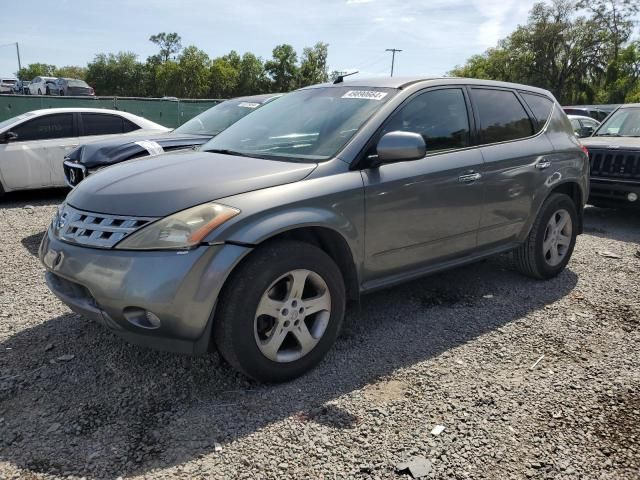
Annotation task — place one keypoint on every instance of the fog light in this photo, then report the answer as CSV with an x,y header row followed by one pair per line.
x,y
141,318
632,197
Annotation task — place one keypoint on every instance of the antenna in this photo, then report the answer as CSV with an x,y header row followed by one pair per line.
x,y
340,78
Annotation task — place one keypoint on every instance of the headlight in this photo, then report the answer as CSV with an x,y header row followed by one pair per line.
x,y
184,229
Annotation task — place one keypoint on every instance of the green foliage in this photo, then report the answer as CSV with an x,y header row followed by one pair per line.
x,y
36,70
313,67
283,68
71,72
169,43
578,51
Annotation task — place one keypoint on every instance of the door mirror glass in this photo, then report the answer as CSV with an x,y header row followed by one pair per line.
x,y
401,146
585,132
7,137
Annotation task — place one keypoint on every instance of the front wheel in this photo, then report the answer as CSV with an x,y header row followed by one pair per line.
x,y
550,243
280,312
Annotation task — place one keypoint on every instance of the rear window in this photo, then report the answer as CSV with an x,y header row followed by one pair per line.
x,y
502,116
101,124
540,106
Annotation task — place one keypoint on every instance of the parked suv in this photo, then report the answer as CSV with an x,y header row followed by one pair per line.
x,y
614,152
256,242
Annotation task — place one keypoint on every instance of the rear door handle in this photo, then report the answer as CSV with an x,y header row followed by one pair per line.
x,y
469,178
542,164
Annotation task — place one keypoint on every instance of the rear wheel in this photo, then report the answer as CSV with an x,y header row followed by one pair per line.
x,y
39,92
48,91
550,243
281,311
61,93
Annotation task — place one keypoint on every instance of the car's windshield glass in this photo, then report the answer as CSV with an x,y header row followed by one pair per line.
x,y
623,123
11,120
217,118
306,125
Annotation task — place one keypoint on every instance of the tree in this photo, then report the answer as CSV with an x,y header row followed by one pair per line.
x,y
194,67
169,43
283,68
615,17
34,70
251,76
71,72
116,74
313,67
223,78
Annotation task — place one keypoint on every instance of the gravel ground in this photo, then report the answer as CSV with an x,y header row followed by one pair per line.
x,y
457,350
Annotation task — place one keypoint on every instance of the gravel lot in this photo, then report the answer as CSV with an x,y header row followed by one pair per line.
x,y
457,349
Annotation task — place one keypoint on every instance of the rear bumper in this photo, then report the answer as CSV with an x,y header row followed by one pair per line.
x,y
614,192
116,288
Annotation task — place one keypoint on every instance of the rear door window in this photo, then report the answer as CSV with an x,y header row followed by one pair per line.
x,y
540,106
102,124
502,116
440,116
47,127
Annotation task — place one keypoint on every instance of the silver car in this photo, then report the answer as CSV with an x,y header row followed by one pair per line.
x,y
256,242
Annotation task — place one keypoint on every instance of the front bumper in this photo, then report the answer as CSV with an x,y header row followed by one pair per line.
x,y
111,287
614,192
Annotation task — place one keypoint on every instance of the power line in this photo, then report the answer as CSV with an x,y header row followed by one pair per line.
x,y
393,56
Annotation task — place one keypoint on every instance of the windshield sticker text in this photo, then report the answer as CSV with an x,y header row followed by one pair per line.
x,y
248,105
365,94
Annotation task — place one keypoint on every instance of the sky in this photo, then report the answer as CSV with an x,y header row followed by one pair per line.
x,y
434,35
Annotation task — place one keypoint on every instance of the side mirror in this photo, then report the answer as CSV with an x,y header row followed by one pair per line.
x,y
586,132
400,147
7,137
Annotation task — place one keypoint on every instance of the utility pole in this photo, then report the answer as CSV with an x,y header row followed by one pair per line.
x,y
18,52
393,56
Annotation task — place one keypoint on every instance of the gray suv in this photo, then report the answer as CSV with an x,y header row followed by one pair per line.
x,y
256,242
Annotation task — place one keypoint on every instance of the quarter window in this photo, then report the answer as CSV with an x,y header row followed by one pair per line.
x,y
45,127
502,116
540,106
440,116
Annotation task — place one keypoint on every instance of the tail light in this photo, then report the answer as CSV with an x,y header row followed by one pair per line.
x,y
585,150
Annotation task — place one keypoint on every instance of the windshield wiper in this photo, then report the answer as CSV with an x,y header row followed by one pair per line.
x,y
235,153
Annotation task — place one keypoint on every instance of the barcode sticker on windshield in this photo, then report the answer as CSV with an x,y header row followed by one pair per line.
x,y
365,94
248,105
150,146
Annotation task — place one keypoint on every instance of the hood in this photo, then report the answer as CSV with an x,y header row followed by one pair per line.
x,y
124,147
175,181
626,143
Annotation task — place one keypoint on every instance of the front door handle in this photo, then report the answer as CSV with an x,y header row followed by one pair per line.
x,y
542,164
469,178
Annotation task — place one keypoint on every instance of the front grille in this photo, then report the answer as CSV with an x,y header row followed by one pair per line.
x,y
618,164
95,229
74,173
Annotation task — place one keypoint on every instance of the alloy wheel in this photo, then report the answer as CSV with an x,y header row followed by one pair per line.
x,y
292,316
557,237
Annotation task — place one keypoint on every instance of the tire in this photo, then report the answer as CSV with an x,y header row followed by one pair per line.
x,y
244,338
39,92
47,91
61,93
531,258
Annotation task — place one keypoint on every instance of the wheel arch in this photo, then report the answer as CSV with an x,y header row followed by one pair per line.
x,y
573,190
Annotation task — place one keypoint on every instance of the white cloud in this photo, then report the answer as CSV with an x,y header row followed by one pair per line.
x,y
353,2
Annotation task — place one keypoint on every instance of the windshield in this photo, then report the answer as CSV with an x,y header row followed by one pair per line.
x,y
306,125
218,118
9,121
623,123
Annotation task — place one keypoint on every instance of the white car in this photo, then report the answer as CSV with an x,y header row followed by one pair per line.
x,y
7,84
583,126
38,85
33,145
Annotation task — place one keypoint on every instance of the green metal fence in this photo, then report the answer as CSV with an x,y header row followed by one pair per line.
x,y
170,113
